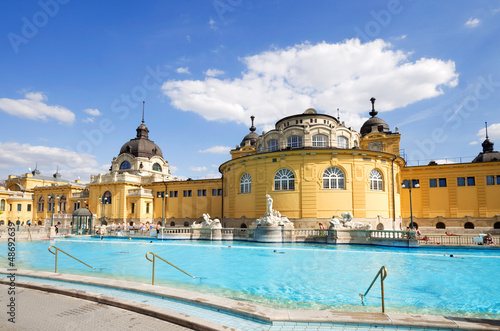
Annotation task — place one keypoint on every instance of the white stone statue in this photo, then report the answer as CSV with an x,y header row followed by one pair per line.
x,y
196,225
335,223
269,204
272,217
206,221
216,224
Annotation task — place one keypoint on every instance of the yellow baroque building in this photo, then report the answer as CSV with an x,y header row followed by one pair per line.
x,y
311,164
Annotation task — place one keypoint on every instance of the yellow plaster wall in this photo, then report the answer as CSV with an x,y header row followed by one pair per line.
x,y
309,199
452,201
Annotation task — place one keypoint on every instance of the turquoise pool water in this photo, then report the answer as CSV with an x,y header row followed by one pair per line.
x,y
308,276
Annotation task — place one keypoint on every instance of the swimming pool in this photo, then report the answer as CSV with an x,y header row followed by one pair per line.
x,y
308,276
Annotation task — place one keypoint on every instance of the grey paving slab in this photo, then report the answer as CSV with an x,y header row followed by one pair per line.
x,y
40,311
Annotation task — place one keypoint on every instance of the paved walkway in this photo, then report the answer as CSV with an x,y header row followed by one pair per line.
x,y
38,310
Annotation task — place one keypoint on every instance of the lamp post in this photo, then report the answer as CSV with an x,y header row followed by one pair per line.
x,y
53,199
408,184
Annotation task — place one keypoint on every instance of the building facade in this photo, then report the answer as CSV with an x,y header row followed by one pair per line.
x,y
311,164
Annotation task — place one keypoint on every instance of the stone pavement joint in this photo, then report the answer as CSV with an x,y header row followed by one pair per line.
x,y
141,309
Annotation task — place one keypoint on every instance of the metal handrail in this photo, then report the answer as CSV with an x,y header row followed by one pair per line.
x,y
58,249
382,273
153,260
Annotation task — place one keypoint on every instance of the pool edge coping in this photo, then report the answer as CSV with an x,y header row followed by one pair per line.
x,y
255,311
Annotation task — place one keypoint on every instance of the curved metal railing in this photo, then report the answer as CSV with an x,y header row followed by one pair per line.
x,y
382,273
58,249
153,260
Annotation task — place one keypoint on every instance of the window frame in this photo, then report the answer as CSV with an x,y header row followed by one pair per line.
x,y
334,178
294,142
284,180
376,180
246,183
320,143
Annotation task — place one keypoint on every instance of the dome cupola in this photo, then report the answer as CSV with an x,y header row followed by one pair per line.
x,y
374,124
251,138
141,146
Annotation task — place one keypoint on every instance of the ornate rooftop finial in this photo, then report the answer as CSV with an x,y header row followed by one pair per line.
x,y
487,144
252,128
338,114
36,171
373,113
143,102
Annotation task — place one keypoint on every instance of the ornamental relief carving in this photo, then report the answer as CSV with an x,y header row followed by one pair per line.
x,y
376,146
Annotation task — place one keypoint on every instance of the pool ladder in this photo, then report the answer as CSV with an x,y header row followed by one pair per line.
x,y
153,260
382,273
58,249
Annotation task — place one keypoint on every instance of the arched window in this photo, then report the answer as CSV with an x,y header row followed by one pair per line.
x,y
320,140
125,165
2,205
294,142
172,223
469,225
333,178
156,167
41,202
243,226
186,224
440,225
376,181
342,142
496,225
107,198
62,203
272,145
284,180
246,183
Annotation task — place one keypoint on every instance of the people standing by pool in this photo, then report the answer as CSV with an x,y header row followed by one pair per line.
x,y
488,240
157,230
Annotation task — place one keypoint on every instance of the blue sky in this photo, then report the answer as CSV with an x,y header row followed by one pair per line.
x,y
74,74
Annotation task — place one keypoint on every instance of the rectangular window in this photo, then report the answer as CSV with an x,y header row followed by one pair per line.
x,y
188,193
133,208
176,194
76,205
498,180
442,182
433,182
204,192
471,181
199,193
460,181
214,192
28,207
415,183
490,180
19,207
173,194
147,208
219,191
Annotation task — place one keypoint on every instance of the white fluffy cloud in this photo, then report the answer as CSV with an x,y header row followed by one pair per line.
x,y
23,156
216,150
34,107
92,112
214,72
326,76
198,169
472,22
182,70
